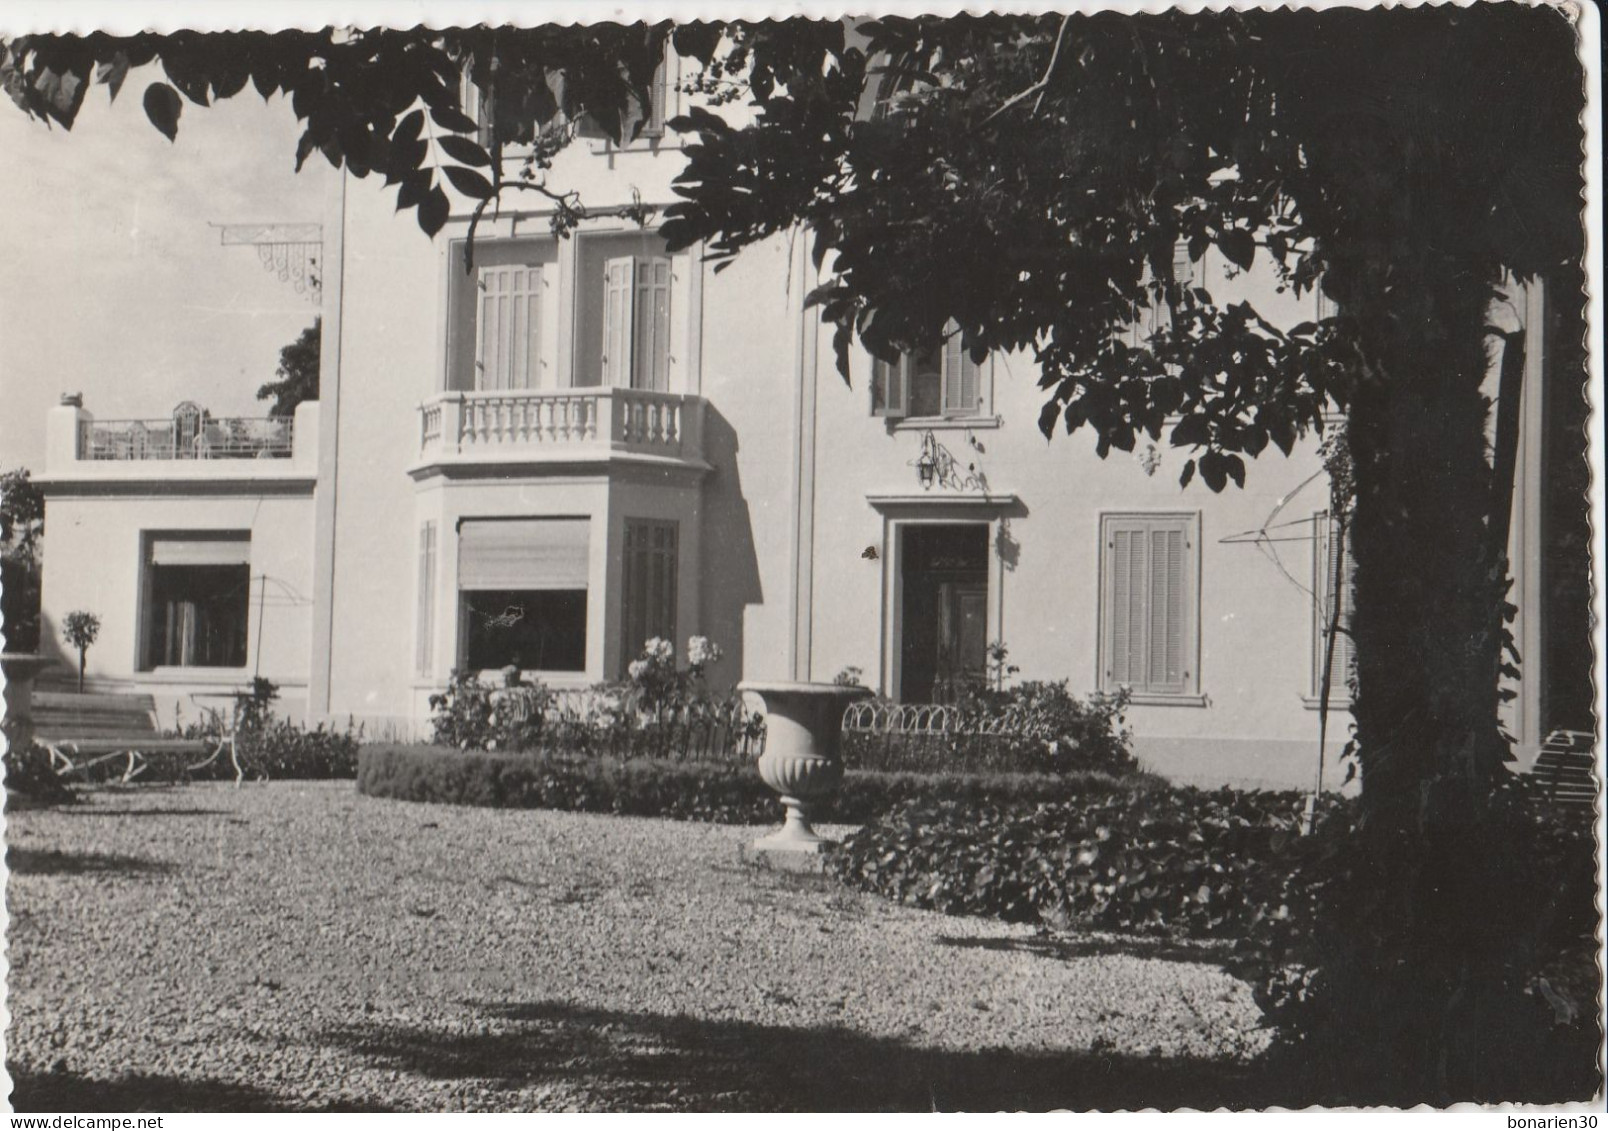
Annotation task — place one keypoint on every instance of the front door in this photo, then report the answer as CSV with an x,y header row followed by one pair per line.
x,y
962,639
943,618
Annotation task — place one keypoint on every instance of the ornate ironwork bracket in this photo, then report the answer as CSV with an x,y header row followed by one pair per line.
x,y
294,252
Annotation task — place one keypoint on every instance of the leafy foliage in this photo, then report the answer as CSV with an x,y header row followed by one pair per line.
x,y
31,780
22,524
1170,861
268,747
1036,727
297,373
80,628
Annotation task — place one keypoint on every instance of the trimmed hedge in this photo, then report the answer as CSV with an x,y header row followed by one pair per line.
x,y
697,791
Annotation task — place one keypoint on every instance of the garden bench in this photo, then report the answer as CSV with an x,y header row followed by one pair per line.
x,y
84,731
1565,770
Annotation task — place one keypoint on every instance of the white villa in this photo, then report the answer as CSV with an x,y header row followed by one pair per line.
x,y
590,441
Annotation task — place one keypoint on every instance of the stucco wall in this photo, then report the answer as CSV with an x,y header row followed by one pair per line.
x,y
93,562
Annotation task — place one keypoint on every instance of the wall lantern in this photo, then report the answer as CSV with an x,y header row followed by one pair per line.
x,y
927,462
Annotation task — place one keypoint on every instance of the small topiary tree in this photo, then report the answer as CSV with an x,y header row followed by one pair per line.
x,y
81,628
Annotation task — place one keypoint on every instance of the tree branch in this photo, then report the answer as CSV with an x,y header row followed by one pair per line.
x,y
1042,86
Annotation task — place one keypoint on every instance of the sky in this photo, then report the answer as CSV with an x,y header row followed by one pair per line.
x,y
115,285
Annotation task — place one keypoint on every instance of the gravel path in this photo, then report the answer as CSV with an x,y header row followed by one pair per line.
x,y
299,946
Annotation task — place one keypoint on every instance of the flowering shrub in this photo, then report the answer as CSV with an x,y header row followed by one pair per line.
x,y
471,715
660,712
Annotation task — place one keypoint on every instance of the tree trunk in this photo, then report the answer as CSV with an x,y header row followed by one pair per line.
x,y
83,657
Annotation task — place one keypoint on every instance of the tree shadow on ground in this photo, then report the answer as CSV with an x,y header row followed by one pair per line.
x,y
1219,952
29,862
59,1090
641,1062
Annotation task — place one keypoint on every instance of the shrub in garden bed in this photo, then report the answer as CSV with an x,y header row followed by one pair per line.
x,y
1034,727
267,747
1182,862
32,781
726,793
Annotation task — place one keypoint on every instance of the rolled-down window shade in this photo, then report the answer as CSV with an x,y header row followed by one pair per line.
x,y
198,551
524,553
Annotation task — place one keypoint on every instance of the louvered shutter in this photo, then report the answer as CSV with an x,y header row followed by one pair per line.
x,y
659,95
426,610
648,587
618,277
508,334
651,325
890,388
1149,624
960,387
1165,653
1333,568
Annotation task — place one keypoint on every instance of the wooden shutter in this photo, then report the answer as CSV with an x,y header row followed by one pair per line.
x,y
659,95
648,584
960,379
1149,623
1332,571
890,388
618,276
650,367
508,334
426,611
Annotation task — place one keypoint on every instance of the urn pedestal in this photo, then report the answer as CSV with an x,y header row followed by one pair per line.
x,y
20,668
802,761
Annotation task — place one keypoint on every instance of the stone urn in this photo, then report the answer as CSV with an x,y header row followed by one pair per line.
x,y
802,761
20,668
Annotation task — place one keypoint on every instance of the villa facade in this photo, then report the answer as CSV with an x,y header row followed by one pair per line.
x,y
576,444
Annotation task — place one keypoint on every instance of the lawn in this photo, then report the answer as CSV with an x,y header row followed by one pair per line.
x,y
297,946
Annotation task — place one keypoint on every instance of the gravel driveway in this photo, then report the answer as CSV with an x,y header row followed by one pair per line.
x,y
298,946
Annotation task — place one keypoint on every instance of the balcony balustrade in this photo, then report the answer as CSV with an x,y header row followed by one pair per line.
x,y
560,425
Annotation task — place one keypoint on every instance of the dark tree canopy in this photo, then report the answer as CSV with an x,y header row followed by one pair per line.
x,y
297,373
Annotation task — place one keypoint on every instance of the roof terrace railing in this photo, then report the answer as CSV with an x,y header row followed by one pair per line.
x,y
179,437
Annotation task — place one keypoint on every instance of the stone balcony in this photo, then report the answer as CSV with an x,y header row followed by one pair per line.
x,y
187,452
464,433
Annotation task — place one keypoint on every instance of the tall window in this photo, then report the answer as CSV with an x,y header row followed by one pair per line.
x,y
939,380
196,600
648,584
522,593
508,348
1149,620
636,322
1332,571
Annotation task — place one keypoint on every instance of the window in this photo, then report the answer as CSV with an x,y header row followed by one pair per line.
x,y
937,381
502,325
426,622
522,589
636,322
1332,571
196,600
648,584
1149,620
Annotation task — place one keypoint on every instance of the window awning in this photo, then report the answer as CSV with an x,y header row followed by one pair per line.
x,y
523,553
197,550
